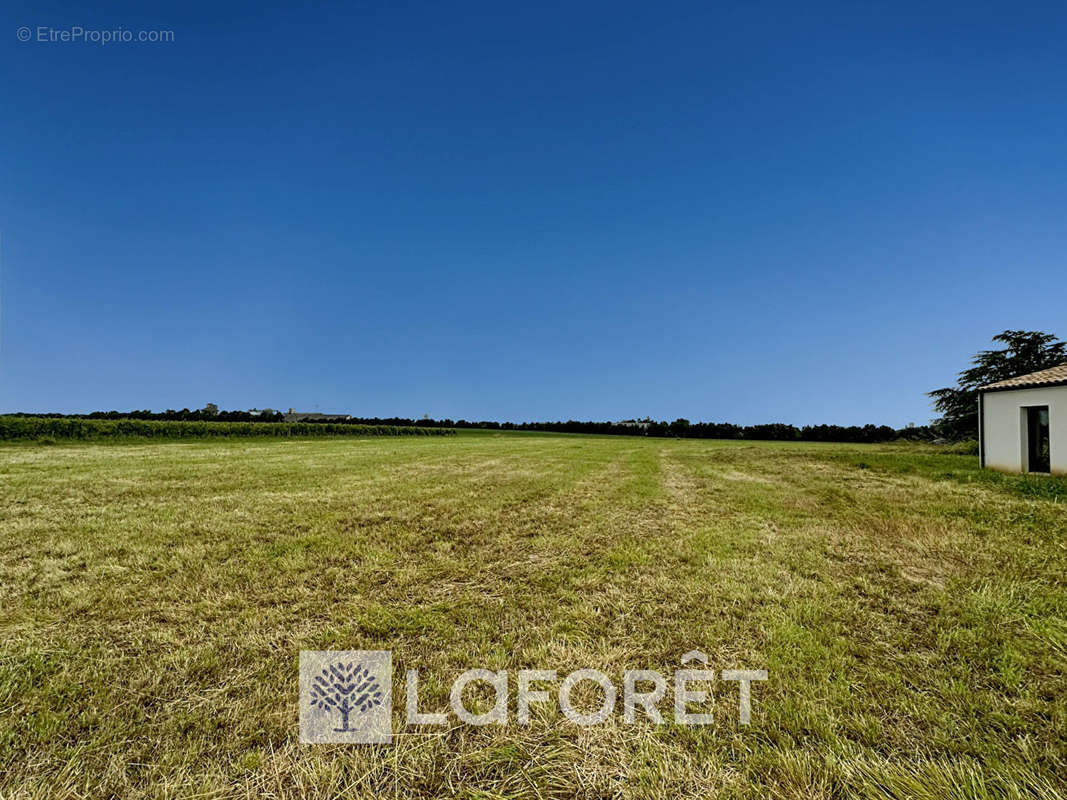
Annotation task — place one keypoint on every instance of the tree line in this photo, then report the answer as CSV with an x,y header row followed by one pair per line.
x,y
25,426
1023,352
679,428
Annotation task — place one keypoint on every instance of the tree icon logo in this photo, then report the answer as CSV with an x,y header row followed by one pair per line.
x,y
346,696
344,688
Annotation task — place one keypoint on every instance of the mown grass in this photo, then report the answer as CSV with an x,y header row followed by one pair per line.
x,y
909,608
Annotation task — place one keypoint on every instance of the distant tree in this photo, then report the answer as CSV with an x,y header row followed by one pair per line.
x,y
210,410
657,428
775,432
680,427
1024,352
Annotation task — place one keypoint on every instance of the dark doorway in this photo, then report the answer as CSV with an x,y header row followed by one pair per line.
x,y
1037,439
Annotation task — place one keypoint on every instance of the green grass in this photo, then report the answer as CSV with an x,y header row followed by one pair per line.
x,y
910,608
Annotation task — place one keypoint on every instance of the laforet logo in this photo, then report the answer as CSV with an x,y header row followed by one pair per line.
x,y
346,696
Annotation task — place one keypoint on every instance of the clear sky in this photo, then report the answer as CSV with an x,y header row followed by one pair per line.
x,y
747,212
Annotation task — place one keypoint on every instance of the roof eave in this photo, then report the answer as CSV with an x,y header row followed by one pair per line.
x,y
1042,385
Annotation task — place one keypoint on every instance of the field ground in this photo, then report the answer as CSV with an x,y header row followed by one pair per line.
x,y
911,612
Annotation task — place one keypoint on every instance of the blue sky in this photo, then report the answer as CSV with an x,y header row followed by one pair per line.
x,y
750,212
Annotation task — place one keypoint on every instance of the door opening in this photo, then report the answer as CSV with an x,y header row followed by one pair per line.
x,y
1037,439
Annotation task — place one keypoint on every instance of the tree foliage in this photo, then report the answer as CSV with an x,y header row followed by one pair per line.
x,y
1024,352
186,423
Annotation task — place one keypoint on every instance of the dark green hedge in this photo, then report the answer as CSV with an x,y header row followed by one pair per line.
x,y
65,428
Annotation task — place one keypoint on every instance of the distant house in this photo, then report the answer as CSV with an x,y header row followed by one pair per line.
x,y
1022,422
314,416
633,423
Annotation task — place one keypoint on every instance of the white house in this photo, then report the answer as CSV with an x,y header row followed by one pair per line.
x,y
1022,422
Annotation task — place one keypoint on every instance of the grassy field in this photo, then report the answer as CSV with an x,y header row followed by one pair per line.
x,y
910,609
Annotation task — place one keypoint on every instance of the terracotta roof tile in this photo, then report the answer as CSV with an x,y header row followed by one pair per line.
x,y
1046,377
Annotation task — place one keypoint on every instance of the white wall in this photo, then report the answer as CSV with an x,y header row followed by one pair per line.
x,y
1005,447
